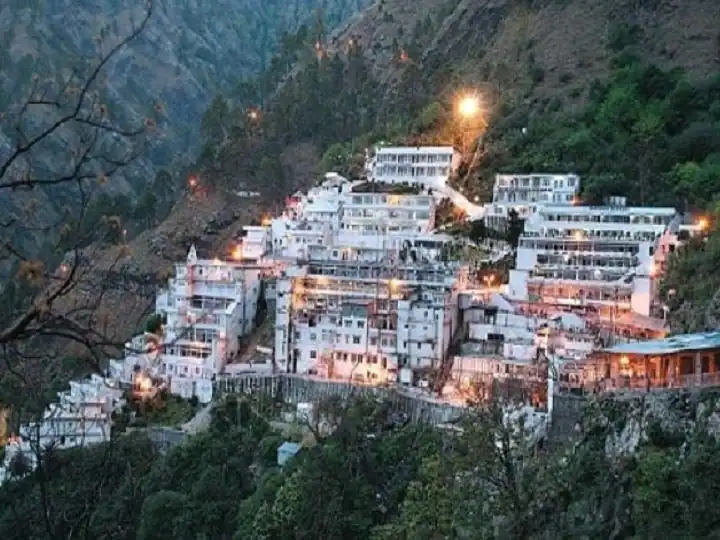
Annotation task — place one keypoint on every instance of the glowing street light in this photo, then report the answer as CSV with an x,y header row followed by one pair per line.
x,y
469,106
702,224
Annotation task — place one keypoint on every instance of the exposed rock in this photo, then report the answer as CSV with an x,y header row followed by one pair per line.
x,y
631,419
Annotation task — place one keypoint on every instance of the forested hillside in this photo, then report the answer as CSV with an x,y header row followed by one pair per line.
x,y
377,477
625,94
187,51
633,123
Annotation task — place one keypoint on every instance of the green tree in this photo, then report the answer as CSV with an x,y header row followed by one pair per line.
x,y
515,227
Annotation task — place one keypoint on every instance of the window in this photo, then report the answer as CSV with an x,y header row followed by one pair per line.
x,y
347,323
313,354
361,324
356,340
313,337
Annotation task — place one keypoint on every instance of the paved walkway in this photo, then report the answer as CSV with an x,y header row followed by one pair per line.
x,y
199,422
472,210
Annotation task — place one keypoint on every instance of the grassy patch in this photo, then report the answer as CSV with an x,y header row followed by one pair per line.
x,y
168,410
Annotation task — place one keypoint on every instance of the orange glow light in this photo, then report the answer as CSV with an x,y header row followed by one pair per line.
x,y
237,253
469,106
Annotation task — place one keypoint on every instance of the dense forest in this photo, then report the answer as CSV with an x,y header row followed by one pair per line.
x,y
375,476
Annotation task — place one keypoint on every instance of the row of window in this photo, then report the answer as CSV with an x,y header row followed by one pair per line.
x,y
538,181
610,218
392,214
524,196
400,200
374,230
572,246
414,158
390,170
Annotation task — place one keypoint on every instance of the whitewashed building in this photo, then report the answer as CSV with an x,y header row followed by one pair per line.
x,y
209,305
603,258
384,220
373,321
524,193
81,416
346,215
430,166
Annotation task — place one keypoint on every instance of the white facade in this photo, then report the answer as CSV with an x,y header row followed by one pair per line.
x,y
256,242
430,166
524,193
365,320
81,417
209,305
345,215
601,258
384,221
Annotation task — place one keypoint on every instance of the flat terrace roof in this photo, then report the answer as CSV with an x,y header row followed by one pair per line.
x,y
675,344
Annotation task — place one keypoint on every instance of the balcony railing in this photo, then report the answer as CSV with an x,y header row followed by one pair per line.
x,y
639,383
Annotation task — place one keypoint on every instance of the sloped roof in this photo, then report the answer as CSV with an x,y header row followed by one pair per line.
x,y
289,447
683,342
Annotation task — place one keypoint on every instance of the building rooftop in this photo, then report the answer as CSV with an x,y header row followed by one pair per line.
x,y
416,149
289,447
683,342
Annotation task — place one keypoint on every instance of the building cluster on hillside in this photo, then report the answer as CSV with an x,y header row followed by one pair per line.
x,y
80,416
359,286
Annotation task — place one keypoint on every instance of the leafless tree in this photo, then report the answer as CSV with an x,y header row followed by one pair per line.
x,y
63,139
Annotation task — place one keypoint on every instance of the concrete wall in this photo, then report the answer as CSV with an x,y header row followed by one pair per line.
x,y
294,389
567,411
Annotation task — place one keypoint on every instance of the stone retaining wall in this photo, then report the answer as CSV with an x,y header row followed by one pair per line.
x,y
295,389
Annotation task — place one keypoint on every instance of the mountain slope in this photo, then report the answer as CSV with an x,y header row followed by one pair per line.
x,y
539,47
411,56
188,52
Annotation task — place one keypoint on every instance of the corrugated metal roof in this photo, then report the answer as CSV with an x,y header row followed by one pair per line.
x,y
674,344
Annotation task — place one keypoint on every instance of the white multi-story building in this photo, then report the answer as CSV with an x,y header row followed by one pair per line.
x,y
524,193
384,220
82,416
209,306
366,320
348,215
430,166
600,258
